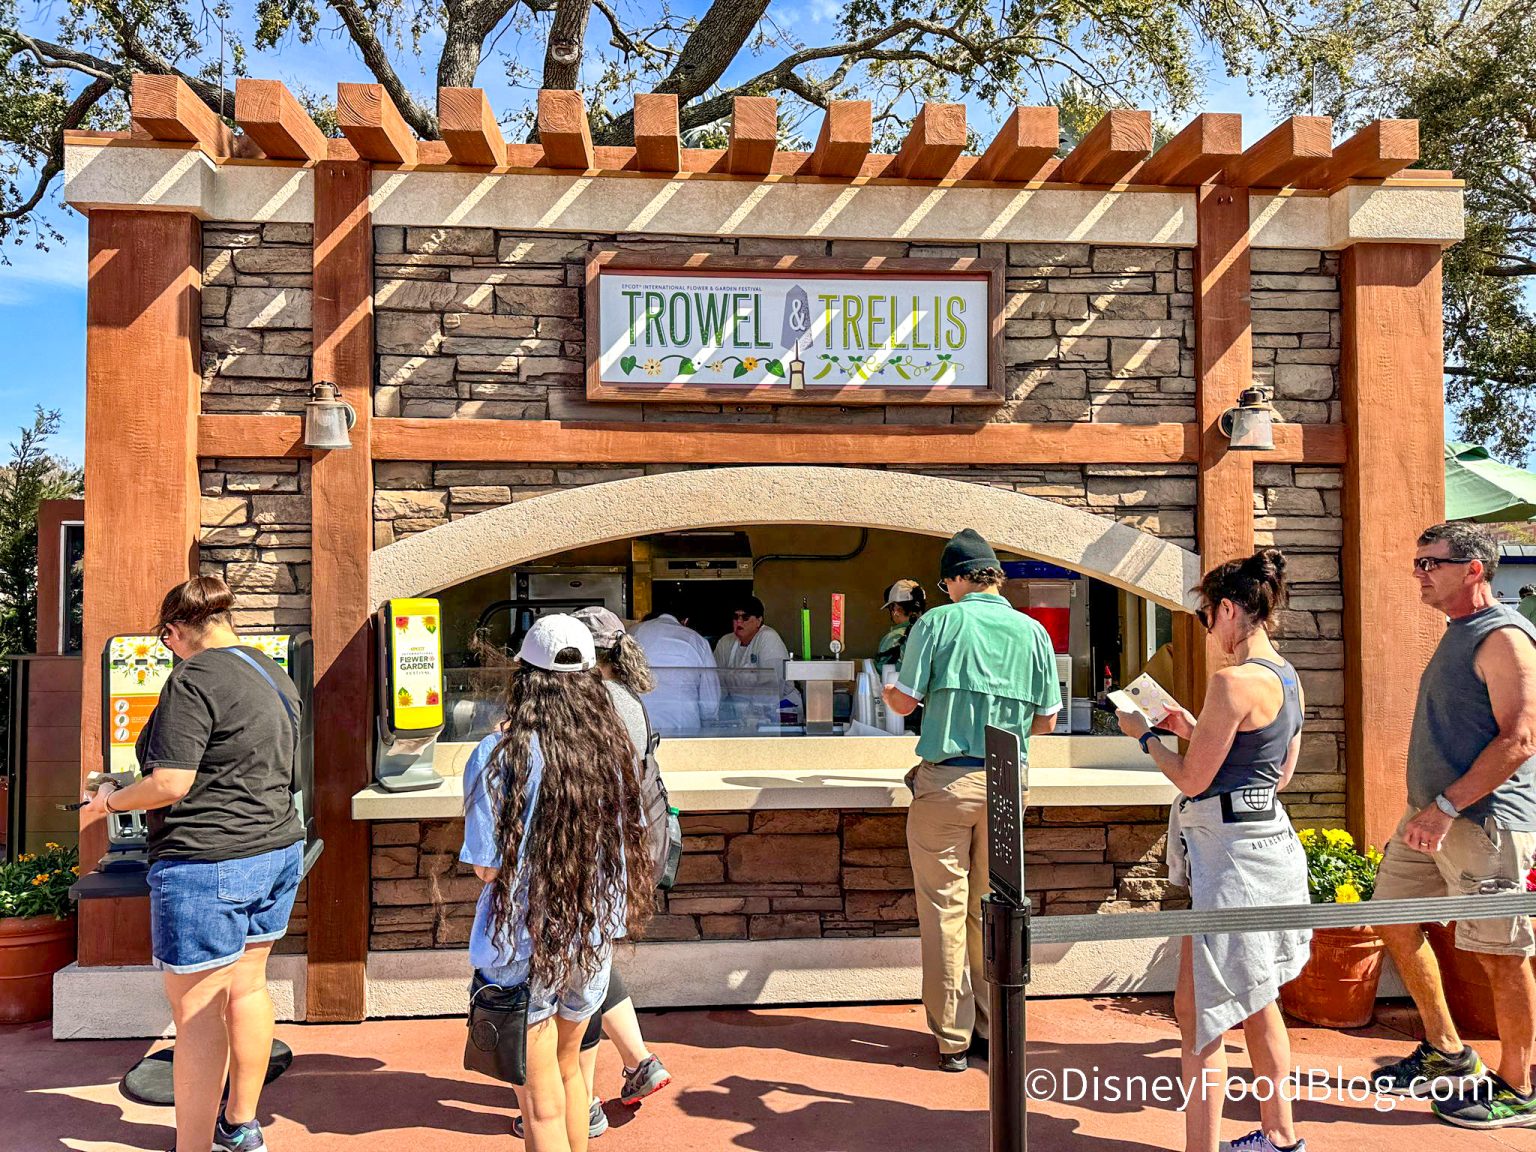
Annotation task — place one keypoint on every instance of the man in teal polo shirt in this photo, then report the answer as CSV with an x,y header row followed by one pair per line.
x,y
975,662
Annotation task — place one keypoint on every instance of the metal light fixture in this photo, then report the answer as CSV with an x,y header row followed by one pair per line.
x,y
1250,426
327,418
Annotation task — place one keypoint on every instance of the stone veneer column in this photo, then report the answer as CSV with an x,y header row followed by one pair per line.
x,y
1394,487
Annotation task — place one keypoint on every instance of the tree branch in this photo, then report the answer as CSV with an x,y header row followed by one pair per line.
x,y
367,41
1520,379
74,116
565,44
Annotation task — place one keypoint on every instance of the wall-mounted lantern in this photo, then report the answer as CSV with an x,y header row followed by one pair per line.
x,y
1250,426
327,418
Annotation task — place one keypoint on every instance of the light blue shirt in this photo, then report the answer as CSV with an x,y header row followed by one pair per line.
x,y
481,811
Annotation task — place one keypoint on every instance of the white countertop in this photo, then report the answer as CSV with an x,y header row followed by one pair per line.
x,y
712,775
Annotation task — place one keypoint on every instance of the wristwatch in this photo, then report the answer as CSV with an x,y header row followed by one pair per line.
x,y
1446,806
1144,737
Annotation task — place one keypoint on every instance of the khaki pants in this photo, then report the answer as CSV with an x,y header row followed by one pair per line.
x,y
947,840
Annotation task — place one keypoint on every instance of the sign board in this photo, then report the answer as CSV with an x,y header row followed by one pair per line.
x,y
414,653
772,330
136,668
1007,790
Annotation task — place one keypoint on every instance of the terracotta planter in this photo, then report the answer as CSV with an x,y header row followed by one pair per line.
x,y
1337,988
32,949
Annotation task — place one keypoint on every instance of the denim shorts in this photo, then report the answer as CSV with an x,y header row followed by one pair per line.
x,y
203,913
577,1001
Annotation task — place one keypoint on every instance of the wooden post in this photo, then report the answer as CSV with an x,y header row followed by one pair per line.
x,y
1394,488
341,504
1223,368
141,403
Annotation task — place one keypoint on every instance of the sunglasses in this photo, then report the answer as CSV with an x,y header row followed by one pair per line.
x,y
1430,563
1204,616
739,616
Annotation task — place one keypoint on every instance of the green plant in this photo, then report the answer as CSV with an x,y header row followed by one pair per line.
x,y
1338,873
37,884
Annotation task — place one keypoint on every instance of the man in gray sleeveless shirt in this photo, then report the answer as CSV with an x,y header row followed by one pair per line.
x,y
1470,829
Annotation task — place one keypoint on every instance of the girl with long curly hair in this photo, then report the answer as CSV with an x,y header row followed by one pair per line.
x,y
551,816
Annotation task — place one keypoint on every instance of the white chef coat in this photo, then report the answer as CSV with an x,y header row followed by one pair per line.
x,y
753,673
687,688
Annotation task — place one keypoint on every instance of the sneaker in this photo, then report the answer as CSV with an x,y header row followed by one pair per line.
x,y
953,1062
1492,1104
597,1122
1428,1071
241,1138
1256,1141
651,1076
980,1047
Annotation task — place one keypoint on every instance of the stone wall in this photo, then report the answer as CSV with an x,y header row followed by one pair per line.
x,y
1297,332
256,535
791,873
474,322
257,292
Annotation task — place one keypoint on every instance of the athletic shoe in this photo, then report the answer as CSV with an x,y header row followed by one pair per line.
x,y
1426,1070
651,1076
953,1062
980,1047
241,1138
1256,1141
1491,1104
597,1122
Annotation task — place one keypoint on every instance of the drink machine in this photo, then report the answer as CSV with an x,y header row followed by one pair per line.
x,y
134,670
410,693
1058,599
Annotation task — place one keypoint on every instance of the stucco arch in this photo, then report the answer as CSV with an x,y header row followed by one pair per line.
x,y
720,497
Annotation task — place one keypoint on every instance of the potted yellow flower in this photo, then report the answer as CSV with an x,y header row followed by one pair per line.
x,y
1337,988
37,930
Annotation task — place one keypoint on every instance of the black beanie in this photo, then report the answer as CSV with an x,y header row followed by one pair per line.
x,y
965,553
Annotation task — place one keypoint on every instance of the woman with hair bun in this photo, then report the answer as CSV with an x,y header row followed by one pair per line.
x,y
1230,841
226,852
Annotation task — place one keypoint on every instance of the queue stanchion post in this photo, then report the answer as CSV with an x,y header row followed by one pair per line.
x,y
1005,940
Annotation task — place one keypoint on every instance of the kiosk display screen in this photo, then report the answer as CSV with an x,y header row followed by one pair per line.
x,y
136,668
414,664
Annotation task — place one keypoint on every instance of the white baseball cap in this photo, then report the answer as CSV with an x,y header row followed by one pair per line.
x,y
551,635
900,592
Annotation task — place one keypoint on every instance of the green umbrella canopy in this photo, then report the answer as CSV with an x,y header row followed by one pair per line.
x,y
1478,487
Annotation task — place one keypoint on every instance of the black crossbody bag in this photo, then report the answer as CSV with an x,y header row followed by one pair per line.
x,y
497,1044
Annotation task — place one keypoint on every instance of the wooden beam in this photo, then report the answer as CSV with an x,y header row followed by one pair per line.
x,y
277,122
563,129
933,144
341,502
1394,488
468,126
1110,151
166,108
370,120
51,518
142,351
847,133
1382,148
1205,146
658,141
1223,368
1295,149
1023,148
754,135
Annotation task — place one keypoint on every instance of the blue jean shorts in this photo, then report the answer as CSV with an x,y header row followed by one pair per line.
x,y
202,914
579,1000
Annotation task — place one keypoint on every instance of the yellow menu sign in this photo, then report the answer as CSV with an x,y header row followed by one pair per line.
x,y
415,648
137,667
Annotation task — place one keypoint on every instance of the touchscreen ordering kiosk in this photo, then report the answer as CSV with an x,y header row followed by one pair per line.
x,y
134,670
410,693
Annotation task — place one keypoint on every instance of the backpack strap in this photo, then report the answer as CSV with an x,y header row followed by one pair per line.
x,y
293,713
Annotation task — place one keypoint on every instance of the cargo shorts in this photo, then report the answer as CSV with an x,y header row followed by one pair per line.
x,y
1474,859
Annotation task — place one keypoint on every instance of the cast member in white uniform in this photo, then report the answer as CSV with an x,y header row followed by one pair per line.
x,y
687,685
751,659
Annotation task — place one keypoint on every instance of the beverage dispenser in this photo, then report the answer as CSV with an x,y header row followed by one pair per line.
x,y
1058,599
410,642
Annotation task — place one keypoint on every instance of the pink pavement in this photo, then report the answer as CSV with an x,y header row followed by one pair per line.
x,y
844,1079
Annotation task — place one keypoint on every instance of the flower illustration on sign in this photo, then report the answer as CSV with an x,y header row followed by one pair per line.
x,y
656,365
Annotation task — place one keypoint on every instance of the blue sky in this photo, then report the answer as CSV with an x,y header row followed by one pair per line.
x,y
42,294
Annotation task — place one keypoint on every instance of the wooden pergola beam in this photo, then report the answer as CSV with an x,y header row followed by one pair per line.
x,y
1382,148
847,133
754,135
563,130
369,119
1205,146
1110,151
272,117
658,140
469,128
166,108
1023,149
933,144
1296,149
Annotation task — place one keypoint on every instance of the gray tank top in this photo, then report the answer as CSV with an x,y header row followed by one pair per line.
x,y
1454,722
1258,757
